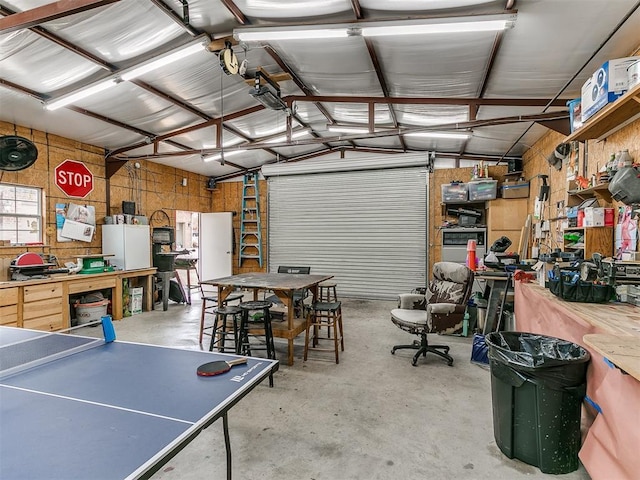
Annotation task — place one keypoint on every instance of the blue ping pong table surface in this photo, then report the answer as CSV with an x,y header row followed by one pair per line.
x,y
119,410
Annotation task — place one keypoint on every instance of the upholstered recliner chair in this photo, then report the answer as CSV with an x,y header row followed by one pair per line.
x,y
441,310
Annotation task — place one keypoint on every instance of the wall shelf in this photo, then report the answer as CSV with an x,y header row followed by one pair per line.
x,y
610,118
601,192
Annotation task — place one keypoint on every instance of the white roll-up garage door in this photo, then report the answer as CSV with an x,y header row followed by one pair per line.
x,y
367,228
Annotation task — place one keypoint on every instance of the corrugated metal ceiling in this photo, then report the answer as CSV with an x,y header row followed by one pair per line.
x,y
173,114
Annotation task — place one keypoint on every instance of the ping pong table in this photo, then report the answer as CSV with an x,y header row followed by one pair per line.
x,y
76,407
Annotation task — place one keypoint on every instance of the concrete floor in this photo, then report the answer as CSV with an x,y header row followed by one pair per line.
x,y
373,416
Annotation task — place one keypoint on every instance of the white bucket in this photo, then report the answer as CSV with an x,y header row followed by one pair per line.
x,y
90,312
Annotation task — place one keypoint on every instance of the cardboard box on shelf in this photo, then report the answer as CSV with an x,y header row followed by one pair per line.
x,y
575,113
606,85
594,217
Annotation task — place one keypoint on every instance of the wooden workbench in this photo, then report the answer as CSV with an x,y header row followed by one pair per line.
x,y
43,304
608,331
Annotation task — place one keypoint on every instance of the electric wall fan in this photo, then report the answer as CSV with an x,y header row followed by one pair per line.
x,y
16,153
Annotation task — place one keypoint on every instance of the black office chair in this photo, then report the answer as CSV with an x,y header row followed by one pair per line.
x,y
298,295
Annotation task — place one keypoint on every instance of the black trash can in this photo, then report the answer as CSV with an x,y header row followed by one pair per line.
x,y
537,387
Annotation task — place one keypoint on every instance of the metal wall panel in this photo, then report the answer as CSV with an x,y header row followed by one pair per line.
x,y
367,228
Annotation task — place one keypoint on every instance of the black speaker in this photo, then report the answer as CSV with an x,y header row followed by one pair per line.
x,y
129,208
211,183
514,165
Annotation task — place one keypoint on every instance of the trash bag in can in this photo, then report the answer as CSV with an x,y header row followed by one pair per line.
x,y
537,387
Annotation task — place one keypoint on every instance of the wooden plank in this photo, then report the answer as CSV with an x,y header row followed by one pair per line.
x,y
610,117
622,350
269,281
274,77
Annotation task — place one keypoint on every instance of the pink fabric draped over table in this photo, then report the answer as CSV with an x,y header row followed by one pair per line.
x,y
611,447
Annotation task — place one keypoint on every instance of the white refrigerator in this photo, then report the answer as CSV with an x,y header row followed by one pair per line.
x,y
130,246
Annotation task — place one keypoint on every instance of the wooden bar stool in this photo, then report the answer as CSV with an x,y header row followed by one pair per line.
x,y
209,304
327,291
323,314
258,325
220,333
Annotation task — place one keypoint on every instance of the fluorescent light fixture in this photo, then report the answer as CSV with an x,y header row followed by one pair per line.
x,y
283,33
348,129
128,74
445,135
80,94
473,23
155,63
449,27
218,156
283,137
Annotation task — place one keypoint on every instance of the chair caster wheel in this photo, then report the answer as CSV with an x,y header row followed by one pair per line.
x,y
414,363
450,363
393,351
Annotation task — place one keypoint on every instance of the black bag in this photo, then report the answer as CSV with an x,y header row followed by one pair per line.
x,y
176,292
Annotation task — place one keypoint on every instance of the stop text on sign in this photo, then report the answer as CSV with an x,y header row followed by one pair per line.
x,y
74,178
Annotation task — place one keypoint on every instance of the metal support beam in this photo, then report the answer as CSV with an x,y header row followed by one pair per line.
x,y
47,13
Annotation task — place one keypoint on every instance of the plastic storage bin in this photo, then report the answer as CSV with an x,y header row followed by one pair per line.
x,y
483,189
454,192
537,387
515,190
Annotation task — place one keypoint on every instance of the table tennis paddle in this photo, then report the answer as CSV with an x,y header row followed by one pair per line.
x,y
220,366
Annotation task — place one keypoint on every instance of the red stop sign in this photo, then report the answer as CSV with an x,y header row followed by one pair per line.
x,y
74,178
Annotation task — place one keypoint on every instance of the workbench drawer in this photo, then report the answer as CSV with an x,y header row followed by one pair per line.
x,y
9,315
8,296
49,323
33,293
41,308
91,284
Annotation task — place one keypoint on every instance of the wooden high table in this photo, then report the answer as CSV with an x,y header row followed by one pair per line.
x,y
611,332
283,285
